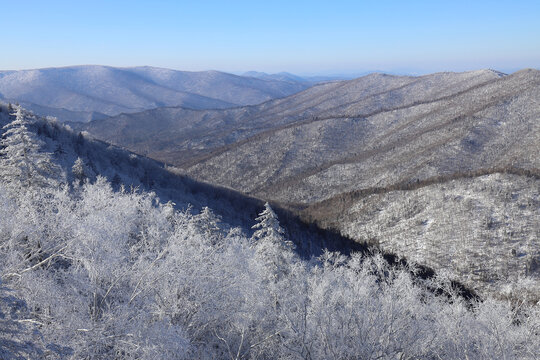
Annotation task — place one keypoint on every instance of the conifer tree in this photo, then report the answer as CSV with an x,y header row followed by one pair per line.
x,y
271,246
79,170
207,223
21,161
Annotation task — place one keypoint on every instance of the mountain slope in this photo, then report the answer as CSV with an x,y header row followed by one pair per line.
x,y
91,269
238,90
134,172
111,91
305,161
490,133
321,151
97,269
182,137
482,228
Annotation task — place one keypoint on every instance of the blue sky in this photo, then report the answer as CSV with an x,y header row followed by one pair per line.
x,y
304,37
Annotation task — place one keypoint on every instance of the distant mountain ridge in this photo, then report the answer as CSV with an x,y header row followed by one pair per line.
x,y
285,76
84,93
282,76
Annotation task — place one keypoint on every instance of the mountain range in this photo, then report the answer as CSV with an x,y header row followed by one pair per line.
x,y
441,169
453,120
288,77
84,93
326,151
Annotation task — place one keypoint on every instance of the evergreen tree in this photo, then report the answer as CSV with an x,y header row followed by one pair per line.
x,y
207,223
116,181
21,161
59,150
270,245
79,170
268,225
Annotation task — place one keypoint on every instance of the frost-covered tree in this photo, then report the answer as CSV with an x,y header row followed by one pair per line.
x,y
207,223
17,338
22,163
122,277
78,170
271,247
81,171
116,181
268,227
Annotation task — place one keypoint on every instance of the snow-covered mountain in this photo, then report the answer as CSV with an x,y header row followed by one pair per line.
x,y
319,152
83,93
122,167
127,269
180,136
482,228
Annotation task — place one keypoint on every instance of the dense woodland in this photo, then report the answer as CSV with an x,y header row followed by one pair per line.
x,y
94,268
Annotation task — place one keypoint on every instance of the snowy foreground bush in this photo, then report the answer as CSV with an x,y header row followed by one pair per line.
x,y
92,273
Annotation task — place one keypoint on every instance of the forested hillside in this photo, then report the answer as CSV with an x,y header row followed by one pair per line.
x,y
482,228
325,152
94,268
184,137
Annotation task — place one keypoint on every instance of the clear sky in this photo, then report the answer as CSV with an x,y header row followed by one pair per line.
x,y
304,37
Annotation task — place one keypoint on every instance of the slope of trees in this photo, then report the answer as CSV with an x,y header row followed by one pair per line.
x,y
482,229
114,274
90,272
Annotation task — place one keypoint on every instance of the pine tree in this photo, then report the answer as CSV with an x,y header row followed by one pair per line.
x,y
21,161
271,246
79,170
268,224
207,223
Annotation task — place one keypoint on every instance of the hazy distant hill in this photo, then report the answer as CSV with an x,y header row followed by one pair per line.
x,y
282,76
83,93
285,76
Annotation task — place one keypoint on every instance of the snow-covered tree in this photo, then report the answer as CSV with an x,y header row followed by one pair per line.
x,y
18,339
270,245
79,170
207,223
268,226
22,163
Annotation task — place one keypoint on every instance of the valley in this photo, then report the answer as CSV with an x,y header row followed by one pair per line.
x,y
309,152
